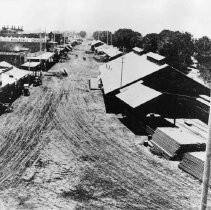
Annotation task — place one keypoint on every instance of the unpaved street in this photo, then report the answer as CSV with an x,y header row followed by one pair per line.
x,y
60,150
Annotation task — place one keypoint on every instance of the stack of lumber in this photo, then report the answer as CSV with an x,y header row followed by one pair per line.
x,y
194,126
154,121
193,163
172,143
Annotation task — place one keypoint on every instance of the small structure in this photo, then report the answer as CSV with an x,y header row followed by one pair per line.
x,y
138,50
156,58
94,84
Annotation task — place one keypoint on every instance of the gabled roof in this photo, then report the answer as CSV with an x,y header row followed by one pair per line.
x,y
94,42
109,50
125,70
137,94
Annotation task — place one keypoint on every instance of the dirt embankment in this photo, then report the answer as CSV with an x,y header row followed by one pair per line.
x,y
60,150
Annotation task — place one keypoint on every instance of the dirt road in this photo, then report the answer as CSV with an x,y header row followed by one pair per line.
x,y
60,150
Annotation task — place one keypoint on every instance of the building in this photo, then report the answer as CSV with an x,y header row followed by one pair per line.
x,y
11,30
46,59
179,92
107,52
11,82
95,43
138,50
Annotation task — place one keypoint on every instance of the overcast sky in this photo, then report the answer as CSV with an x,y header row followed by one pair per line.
x,y
145,16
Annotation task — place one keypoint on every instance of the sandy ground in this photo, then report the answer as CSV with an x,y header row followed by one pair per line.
x,y
60,150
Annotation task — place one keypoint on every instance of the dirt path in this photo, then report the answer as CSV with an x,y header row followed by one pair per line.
x,y
60,150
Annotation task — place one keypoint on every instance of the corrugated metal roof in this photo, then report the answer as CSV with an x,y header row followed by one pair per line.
x,y
137,94
135,67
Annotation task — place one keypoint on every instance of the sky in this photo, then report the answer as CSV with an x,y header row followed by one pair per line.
x,y
144,16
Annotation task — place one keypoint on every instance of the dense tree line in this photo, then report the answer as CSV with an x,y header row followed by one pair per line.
x,y
123,38
178,47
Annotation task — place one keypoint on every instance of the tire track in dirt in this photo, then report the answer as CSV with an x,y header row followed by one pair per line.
x,y
121,163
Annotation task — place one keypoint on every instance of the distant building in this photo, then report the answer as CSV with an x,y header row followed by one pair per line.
x,y
6,30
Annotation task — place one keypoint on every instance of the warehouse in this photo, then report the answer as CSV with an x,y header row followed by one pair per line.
x,y
158,96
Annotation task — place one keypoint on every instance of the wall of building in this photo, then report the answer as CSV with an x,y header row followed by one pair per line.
x,y
12,46
15,59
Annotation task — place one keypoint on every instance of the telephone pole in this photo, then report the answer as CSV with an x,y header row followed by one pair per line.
x,y
122,67
206,175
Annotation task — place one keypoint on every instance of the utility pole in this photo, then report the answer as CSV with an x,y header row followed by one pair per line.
x,y
45,40
122,67
107,37
40,43
111,38
206,175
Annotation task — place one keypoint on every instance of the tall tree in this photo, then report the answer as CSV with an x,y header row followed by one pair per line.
x,y
178,47
127,38
150,42
104,36
203,56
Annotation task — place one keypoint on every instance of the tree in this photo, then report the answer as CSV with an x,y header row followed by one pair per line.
x,y
177,47
150,42
82,34
127,38
203,56
104,36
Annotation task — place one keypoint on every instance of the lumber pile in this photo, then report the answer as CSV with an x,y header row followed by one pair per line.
x,y
193,164
153,121
172,143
